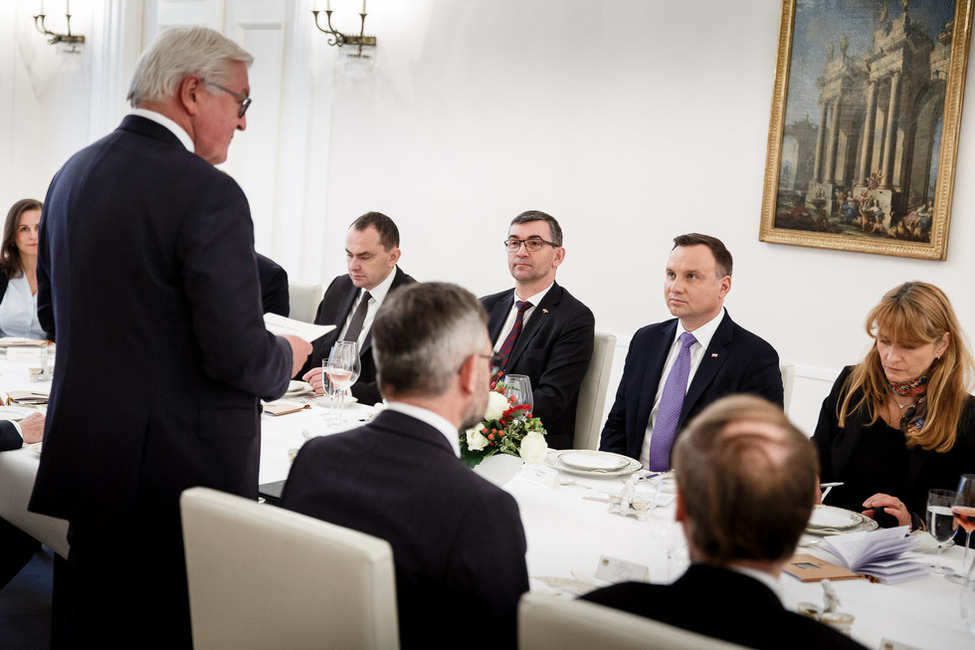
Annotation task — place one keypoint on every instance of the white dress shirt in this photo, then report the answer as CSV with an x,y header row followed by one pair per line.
x,y
436,421
513,314
376,297
703,334
18,311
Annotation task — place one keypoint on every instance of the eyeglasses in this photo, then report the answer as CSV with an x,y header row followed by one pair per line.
x,y
532,245
496,360
243,100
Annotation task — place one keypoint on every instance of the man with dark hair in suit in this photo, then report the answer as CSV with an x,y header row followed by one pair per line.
x,y
146,269
352,300
747,480
676,368
458,543
540,329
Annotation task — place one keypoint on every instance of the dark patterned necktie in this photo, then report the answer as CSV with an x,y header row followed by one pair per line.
x,y
509,342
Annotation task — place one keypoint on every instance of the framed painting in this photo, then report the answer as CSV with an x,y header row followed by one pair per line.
x,y
863,136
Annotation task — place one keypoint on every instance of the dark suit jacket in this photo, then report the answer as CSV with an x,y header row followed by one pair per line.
x,y
275,297
736,361
9,438
872,458
554,350
723,604
147,278
458,543
334,309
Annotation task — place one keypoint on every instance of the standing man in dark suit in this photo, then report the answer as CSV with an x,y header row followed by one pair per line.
x,y
352,301
676,368
147,269
540,329
457,539
740,537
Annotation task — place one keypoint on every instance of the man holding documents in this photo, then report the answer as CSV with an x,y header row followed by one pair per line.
x,y
351,301
147,281
746,485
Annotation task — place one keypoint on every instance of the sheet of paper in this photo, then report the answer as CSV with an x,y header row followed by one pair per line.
x,y
280,325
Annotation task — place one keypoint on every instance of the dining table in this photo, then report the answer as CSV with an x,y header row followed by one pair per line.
x,y
576,539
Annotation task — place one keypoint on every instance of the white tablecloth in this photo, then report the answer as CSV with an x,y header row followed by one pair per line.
x,y
566,533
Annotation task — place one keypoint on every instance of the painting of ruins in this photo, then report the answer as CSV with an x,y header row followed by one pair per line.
x,y
865,120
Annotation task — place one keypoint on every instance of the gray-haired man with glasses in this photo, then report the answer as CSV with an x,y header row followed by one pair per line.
x,y
539,329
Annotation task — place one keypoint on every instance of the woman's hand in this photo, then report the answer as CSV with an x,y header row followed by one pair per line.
x,y
891,505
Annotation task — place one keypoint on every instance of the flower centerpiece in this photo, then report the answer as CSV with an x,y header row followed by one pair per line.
x,y
507,427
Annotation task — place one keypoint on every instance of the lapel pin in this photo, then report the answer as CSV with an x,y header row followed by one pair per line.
x,y
544,311
714,355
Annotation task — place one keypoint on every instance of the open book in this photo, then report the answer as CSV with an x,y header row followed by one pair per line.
x,y
877,553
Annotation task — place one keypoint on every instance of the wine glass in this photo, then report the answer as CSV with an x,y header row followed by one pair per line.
x,y
967,604
330,396
519,388
343,369
941,522
963,510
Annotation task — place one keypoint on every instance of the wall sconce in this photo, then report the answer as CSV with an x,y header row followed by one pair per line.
x,y
338,38
69,41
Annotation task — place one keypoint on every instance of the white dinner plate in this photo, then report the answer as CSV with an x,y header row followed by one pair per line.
x,y
298,388
552,460
593,460
834,518
15,412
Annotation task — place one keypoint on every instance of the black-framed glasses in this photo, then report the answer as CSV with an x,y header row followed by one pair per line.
x,y
532,244
243,100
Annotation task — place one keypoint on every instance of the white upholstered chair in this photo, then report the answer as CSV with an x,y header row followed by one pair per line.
x,y
263,577
304,299
555,623
788,371
592,392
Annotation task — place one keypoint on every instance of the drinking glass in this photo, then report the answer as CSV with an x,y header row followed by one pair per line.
x,y
519,387
940,521
963,510
330,397
342,369
967,604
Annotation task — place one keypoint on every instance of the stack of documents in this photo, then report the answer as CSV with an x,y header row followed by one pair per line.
x,y
877,553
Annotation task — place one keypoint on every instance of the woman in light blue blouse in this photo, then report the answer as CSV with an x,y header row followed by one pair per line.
x,y
18,271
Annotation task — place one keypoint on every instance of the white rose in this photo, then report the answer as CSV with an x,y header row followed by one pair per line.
x,y
475,440
497,404
533,448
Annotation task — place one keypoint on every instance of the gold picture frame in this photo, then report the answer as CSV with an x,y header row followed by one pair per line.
x,y
860,68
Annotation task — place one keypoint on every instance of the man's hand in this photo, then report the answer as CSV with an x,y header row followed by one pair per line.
x,y
32,428
300,351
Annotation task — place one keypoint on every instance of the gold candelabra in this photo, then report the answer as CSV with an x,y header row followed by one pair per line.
x,y
71,41
339,38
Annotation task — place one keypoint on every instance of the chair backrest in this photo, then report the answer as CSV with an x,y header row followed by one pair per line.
x,y
555,623
304,298
592,392
264,577
788,371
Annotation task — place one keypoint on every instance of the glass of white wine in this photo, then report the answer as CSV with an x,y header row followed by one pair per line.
x,y
963,509
941,522
343,368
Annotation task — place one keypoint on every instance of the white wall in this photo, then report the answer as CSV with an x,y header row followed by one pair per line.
x,y
631,121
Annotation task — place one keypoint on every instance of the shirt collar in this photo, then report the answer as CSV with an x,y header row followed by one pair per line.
x,y
176,129
436,421
766,579
537,298
379,292
704,333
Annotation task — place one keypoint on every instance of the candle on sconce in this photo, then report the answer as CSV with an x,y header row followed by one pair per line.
x,y
363,6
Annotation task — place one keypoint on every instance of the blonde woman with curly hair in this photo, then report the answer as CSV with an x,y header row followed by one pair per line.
x,y
902,421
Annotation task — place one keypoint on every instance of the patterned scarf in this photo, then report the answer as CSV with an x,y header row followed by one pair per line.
x,y
915,414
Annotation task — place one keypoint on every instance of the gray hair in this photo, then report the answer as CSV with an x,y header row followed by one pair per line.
x,y
178,53
422,335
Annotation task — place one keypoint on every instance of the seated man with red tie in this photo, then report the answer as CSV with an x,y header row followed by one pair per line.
x,y
351,301
747,480
540,329
676,368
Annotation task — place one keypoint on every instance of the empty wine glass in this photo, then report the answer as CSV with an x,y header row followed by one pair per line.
x,y
343,369
519,388
330,397
940,521
963,510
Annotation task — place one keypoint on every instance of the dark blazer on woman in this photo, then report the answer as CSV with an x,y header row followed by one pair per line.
x,y
875,458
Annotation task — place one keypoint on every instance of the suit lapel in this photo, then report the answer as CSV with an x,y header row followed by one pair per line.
x,y
714,357
656,358
540,317
398,278
499,313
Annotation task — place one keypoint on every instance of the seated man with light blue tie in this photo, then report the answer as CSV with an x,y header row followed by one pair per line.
x,y
676,368
540,329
